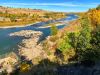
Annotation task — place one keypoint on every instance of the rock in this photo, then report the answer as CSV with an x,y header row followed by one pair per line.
x,y
27,33
8,62
31,53
29,47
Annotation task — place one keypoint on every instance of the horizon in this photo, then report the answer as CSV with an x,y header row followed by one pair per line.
x,y
52,5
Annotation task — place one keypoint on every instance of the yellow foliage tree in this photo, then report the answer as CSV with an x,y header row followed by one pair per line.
x,y
94,16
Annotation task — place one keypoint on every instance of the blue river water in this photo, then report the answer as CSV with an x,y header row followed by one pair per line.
x,y
9,44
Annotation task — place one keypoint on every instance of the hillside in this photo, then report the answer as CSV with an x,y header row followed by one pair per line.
x,y
23,16
20,10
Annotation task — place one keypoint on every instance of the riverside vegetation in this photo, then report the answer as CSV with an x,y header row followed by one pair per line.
x,y
68,51
8,16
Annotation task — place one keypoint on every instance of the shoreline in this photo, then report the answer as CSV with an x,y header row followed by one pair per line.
x,y
14,26
50,26
3,27
24,25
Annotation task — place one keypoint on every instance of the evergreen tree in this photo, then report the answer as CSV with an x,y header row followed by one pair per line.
x,y
95,42
64,44
83,41
54,30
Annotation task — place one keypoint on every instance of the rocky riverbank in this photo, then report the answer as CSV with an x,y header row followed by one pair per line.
x,y
7,64
29,47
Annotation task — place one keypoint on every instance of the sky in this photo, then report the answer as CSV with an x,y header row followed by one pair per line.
x,y
53,5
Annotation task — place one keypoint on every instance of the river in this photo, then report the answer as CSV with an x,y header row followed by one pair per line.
x,y
9,44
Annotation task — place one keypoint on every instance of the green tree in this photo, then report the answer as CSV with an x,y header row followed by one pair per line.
x,y
98,7
87,43
83,40
54,30
73,39
63,44
95,42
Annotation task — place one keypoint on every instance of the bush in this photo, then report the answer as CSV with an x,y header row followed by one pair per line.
x,y
54,30
24,67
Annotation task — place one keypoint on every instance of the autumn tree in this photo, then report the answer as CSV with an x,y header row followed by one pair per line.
x,y
94,16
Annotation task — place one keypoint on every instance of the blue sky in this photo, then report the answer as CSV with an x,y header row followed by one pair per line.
x,y
53,5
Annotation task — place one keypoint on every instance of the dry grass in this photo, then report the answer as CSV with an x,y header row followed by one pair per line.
x,y
2,24
73,26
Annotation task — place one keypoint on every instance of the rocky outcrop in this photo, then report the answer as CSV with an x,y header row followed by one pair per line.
x,y
29,47
8,63
27,34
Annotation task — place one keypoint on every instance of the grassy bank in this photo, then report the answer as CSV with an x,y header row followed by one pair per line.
x,y
4,24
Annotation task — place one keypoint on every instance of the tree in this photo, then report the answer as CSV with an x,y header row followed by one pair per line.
x,y
95,42
83,40
66,48
63,44
98,7
94,16
73,39
54,30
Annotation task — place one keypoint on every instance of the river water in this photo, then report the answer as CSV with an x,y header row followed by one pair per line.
x,y
9,44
